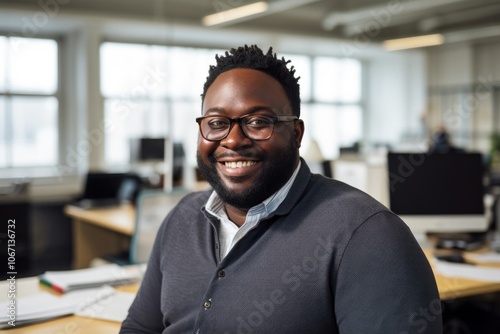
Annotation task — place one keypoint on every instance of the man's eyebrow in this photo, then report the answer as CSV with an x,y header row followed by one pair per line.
x,y
214,110
261,108
253,109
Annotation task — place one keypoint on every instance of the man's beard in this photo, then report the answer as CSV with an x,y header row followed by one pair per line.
x,y
271,179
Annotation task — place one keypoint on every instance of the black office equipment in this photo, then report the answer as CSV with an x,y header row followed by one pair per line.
x,y
152,150
453,258
103,189
147,149
436,193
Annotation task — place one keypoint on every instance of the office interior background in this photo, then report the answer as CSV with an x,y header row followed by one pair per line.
x,y
79,80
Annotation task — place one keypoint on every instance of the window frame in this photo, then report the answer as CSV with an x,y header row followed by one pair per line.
x,y
13,171
312,102
170,101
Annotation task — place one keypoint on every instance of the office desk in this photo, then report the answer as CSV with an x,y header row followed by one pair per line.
x,y
449,289
70,324
100,231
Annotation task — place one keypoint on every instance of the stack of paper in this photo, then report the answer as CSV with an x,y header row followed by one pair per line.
x,y
490,257
112,308
45,306
468,271
63,281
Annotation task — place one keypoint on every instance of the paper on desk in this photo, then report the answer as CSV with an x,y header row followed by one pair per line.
x,y
467,271
111,274
490,257
44,306
112,308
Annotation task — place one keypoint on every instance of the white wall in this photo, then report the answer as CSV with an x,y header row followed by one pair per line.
x,y
451,65
464,82
396,95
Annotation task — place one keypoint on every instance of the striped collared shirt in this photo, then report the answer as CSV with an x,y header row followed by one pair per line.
x,y
229,232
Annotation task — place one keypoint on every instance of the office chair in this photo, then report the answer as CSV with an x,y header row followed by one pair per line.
x,y
152,207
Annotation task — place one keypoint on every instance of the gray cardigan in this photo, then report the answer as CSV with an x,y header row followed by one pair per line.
x,y
330,260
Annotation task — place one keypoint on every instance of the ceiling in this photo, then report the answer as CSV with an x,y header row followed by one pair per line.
x,y
377,19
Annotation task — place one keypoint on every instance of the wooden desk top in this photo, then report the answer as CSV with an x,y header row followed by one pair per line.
x,y
67,324
70,324
450,288
120,218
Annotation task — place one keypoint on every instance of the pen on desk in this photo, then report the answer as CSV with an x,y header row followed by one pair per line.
x,y
51,286
453,258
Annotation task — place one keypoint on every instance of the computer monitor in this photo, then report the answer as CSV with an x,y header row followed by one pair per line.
x,y
147,149
103,189
102,185
152,150
438,193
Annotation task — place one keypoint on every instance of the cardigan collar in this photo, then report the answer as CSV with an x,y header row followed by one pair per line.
x,y
296,191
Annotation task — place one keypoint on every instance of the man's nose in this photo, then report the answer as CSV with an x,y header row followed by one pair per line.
x,y
236,137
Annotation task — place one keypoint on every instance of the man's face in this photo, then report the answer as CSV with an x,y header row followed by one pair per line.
x,y
244,172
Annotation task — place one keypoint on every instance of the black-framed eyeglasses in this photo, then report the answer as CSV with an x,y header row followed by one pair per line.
x,y
254,126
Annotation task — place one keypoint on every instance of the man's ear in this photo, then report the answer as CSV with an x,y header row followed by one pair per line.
x,y
298,132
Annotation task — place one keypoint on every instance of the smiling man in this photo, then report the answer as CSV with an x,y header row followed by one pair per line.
x,y
239,153
274,248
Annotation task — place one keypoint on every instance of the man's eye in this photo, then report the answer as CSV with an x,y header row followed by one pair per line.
x,y
259,122
218,123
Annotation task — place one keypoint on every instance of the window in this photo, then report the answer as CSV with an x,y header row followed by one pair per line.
x,y
29,105
337,80
331,101
151,91
154,91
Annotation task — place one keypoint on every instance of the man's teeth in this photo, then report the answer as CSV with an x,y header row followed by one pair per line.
x,y
239,164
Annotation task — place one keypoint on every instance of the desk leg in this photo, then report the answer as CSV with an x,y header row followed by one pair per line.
x,y
90,241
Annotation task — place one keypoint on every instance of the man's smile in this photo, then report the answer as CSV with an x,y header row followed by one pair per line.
x,y
239,164
238,167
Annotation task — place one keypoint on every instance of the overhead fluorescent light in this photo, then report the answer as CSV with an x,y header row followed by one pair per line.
x,y
252,11
413,42
392,9
235,13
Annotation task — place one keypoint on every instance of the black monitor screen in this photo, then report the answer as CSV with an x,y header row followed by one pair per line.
x,y
103,185
436,184
151,149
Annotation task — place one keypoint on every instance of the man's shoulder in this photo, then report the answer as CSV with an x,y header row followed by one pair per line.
x,y
340,193
334,205
345,204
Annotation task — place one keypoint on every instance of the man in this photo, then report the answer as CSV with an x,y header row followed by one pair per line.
x,y
274,248
441,142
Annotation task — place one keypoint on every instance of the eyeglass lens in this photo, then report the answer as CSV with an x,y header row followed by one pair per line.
x,y
257,127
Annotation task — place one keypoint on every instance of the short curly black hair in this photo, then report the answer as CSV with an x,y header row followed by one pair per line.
x,y
253,57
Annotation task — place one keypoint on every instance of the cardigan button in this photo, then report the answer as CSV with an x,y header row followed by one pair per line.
x,y
221,274
207,304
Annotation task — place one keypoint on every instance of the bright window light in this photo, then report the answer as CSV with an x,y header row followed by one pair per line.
x,y
330,95
29,106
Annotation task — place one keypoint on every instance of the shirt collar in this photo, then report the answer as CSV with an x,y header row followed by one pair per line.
x,y
215,205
